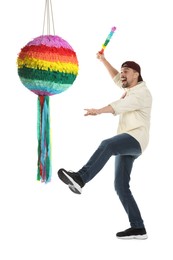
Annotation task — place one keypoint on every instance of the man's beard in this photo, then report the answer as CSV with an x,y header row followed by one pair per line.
x,y
125,85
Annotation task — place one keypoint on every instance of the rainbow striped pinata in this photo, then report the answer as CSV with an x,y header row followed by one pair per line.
x,y
47,65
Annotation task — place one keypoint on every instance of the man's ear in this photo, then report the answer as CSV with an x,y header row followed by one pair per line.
x,y
136,75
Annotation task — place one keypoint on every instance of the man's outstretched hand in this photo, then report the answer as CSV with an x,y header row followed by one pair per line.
x,y
91,112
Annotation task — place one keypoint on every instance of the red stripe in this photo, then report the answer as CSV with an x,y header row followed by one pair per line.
x,y
45,49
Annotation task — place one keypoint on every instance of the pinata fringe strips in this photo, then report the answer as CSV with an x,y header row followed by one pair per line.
x,y
44,140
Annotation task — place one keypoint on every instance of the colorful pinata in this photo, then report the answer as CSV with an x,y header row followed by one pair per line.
x,y
47,65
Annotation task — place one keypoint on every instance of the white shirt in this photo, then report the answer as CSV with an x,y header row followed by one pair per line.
x,y
134,112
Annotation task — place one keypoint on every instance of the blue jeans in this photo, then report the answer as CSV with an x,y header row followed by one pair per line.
x,y
126,149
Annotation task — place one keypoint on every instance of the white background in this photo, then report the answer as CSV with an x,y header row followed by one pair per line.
x,y
47,221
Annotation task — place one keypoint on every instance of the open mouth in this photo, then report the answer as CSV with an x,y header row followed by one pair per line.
x,y
123,80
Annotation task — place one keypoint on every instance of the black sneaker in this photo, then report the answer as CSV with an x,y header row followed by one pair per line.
x,y
133,233
72,179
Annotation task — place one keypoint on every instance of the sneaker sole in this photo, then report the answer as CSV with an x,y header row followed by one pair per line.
x,y
139,237
73,186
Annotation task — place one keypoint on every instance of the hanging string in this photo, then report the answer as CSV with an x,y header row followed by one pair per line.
x,y
48,14
43,112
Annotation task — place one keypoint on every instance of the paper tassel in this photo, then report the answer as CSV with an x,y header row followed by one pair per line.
x,y
44,143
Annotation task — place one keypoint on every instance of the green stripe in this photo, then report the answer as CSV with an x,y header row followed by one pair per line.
x,y
52,76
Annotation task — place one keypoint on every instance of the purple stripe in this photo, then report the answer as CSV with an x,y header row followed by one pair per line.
x,y
42,93
50,41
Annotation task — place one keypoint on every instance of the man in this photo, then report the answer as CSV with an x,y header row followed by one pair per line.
x,y
134,109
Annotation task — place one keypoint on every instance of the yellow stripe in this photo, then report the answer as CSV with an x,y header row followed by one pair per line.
x,y
46,65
